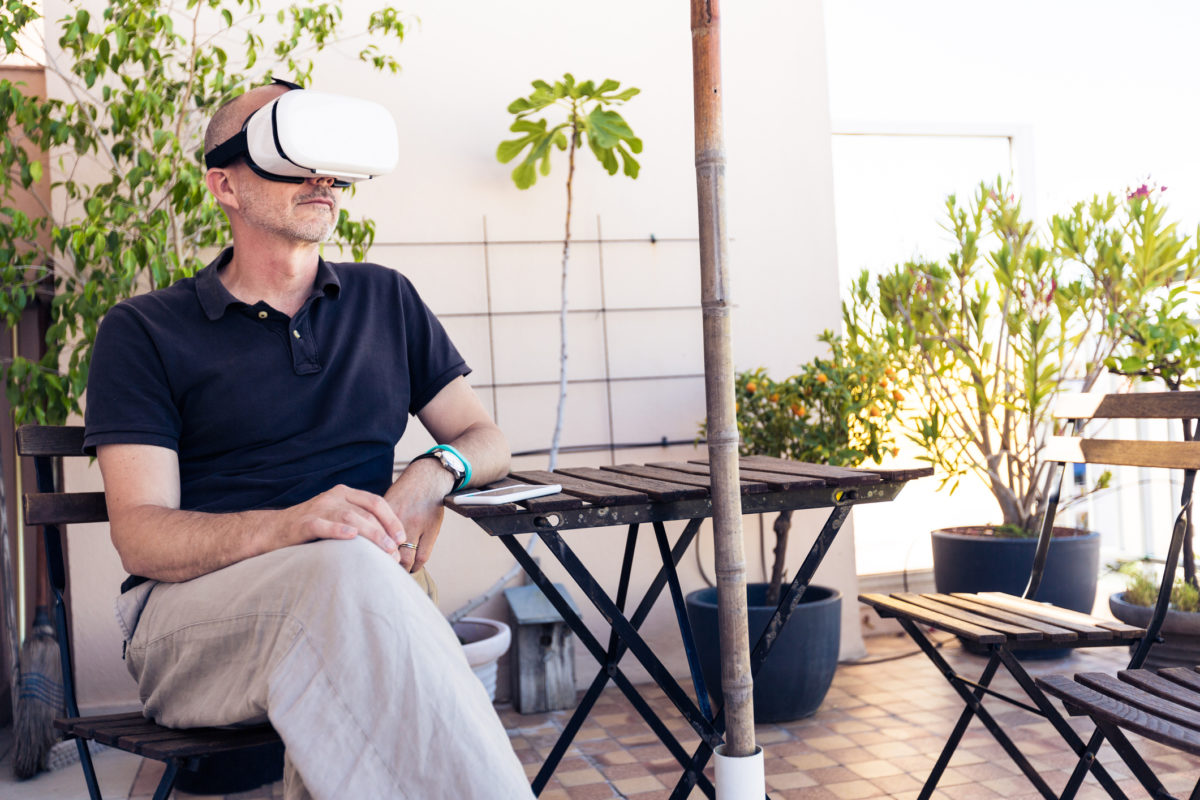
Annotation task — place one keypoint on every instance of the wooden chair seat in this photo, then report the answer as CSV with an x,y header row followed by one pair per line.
x,y
1005,625
1162,706
133,733
996,617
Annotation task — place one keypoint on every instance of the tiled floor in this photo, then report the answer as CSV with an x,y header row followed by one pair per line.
x,y
876,736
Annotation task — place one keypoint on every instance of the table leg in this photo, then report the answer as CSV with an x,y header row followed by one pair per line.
x,y
685,625
787,604
610,669
633,641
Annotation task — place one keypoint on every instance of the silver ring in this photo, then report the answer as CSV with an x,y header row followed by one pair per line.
x,y
409,545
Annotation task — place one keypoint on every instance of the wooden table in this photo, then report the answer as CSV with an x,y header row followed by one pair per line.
x,y
654,494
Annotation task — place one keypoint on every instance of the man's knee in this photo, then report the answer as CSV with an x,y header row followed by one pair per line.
x,y
335,570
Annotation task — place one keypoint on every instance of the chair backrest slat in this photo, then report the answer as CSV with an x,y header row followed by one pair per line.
x,y
50,440
65,508
1136,405
1123,453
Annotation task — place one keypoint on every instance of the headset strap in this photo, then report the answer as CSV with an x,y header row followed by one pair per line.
x,y
236,146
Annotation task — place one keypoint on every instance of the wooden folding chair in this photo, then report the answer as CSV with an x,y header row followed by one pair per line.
x,y
180,750
1000,623
1162,706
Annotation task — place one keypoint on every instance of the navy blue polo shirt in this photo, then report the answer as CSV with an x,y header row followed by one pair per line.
x,y
267,411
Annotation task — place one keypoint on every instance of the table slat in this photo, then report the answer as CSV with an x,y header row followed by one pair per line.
x,y
598,493
675,476
841,476
773,480
655,489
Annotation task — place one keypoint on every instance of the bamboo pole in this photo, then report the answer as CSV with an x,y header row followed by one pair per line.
x,y
736,684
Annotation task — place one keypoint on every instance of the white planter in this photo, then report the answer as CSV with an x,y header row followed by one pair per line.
x,y
484,641
740,778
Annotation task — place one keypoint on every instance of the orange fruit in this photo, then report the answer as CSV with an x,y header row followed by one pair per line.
x,y
751,387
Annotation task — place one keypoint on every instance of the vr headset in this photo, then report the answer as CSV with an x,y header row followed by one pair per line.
x,y
304,134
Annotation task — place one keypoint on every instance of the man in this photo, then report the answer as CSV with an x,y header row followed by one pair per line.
x,y
244,422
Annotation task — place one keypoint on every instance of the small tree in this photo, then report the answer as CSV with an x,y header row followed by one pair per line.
x,y
835,411
994,332
590,116
134,214
1163,343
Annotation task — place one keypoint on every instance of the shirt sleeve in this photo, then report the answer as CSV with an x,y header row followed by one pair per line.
x,y
433,360
128,394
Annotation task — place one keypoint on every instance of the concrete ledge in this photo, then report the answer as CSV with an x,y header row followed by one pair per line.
x,y
886,583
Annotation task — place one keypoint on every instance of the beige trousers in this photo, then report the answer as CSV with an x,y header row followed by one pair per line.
x,y
344,654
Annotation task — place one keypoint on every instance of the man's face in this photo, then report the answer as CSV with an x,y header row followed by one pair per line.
x,y
305,212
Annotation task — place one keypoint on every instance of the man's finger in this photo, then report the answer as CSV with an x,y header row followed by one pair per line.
x,y
380,510
328,529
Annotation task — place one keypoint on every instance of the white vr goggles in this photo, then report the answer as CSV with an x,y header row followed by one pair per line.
x,y
304,134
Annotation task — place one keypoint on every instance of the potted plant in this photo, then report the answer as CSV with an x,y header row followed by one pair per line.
x,y
988,338
835,411
1163,344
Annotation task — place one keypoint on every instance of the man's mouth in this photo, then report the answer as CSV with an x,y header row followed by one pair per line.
x,y
321,199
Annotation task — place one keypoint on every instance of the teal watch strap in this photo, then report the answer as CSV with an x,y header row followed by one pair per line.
x,y
466,478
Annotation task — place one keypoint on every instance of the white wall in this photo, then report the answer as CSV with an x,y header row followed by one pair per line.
x,y
463,64
1109,87
1103,91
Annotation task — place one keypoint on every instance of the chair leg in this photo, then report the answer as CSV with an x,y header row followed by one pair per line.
x,y
1137,765
964,720
973,701
1086,760
1067,733
89,770
168,780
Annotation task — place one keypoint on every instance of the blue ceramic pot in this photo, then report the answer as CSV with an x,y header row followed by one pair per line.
x,y
796,675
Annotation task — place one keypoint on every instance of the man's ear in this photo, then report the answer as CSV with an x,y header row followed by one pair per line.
x,y
222,183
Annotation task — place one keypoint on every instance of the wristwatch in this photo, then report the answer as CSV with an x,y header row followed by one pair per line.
x,y
451,460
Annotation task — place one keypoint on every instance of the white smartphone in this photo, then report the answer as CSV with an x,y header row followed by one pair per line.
x,y
506,494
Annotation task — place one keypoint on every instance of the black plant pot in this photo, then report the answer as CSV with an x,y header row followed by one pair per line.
x,y
796,675
1180,645
966,562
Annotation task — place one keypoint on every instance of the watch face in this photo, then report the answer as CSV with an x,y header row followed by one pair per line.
x,y
451,462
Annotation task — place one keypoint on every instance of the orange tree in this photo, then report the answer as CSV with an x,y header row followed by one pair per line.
x,y
836,410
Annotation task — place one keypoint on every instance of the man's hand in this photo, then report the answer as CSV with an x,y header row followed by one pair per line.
x,y
157,540
343,513
417,500
454,416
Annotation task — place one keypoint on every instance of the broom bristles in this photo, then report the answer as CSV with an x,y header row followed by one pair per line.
x,y
39,699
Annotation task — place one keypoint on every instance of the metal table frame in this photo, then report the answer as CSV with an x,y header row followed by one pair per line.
x,y
706,721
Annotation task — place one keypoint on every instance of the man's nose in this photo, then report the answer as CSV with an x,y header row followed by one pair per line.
x,y
321,180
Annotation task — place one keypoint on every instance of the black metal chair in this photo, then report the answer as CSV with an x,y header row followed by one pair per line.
x,y
1001,623
183,751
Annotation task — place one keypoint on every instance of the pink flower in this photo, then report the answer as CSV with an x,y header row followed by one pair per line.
x,y
1141,191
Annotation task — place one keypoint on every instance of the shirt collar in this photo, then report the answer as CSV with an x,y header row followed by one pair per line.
x,y
215,299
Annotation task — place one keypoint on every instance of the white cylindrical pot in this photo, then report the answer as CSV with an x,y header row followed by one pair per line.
x,y
484,641
741,778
